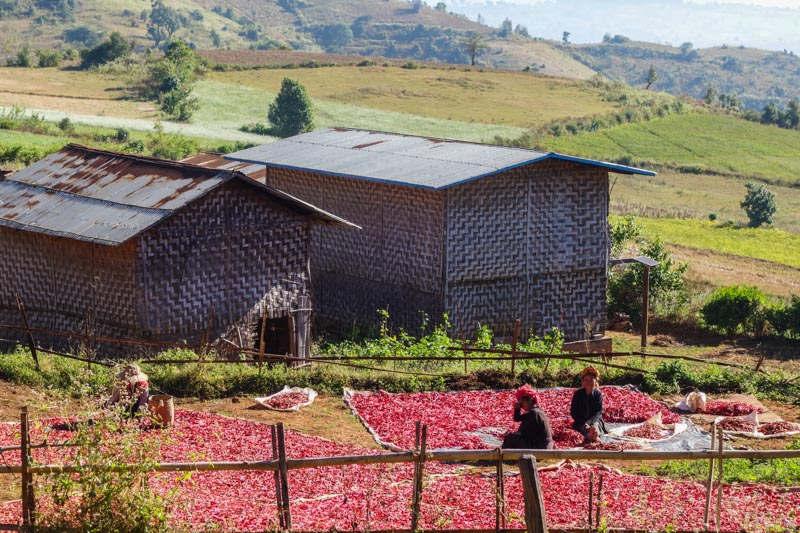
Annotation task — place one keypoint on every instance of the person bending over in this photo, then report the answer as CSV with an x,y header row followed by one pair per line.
x,y
534,429
130,390
586,409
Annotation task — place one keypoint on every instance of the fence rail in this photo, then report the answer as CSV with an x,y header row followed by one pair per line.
x,y
281,464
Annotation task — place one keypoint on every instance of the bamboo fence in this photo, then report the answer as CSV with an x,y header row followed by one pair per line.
x,y
281,464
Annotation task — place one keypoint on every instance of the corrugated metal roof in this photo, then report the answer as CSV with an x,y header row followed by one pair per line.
x,y
400,159
218,161
109,197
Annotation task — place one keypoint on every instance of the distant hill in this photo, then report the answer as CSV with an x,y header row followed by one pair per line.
x,y
388,28
754,76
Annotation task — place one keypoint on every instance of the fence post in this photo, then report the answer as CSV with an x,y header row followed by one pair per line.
x,y
719,479
419,468
262,342
28,504
535,520
514,344
591,497
284,476
500,501
710,486
599,502
277,477
28,334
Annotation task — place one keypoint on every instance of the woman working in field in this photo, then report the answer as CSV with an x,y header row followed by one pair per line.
x,y
586,409
131,391
534,430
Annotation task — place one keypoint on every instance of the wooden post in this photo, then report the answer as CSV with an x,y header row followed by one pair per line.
x,y
277,477
262,343
500,495
207,335
419,470
599,502
645,305
719,479
514,341
292,340
535,520
710,478
28,504
28,334
591,497
284,477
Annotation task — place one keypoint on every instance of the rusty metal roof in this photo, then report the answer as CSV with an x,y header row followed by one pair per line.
x,y
400,159
109,197
218,161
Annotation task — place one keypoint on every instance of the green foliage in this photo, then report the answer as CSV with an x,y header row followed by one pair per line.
x,y
65,377
625,284
759,204
291,112
169,145
163,22
784,318
652,77
730,309
334,36
109,50
784,472
170,81
48,58
66,126
622,232
473,45
100,497
82,35
22,59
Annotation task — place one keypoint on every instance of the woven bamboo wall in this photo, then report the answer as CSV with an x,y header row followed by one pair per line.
x,y
394,262
66,285
530,243
235,250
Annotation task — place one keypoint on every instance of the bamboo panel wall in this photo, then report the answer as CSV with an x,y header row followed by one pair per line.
x,y
67,285
530,243
233,250
395,262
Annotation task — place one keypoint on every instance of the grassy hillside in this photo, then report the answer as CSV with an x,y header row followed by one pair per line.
x,y
696,143
754,76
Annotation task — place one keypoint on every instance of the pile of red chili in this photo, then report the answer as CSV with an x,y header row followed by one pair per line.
x,y
459,419
737,424
723,408
646,431
287,400
776,428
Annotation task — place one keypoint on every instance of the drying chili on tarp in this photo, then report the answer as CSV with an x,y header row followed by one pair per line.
x,y
287,400
725,408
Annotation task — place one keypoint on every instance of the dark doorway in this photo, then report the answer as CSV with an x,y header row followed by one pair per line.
x,y
277,339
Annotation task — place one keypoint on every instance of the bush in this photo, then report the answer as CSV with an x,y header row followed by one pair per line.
x,y
169,145
48,58
732,308
759,204
785,319
113,48
291,113
23,59
66,126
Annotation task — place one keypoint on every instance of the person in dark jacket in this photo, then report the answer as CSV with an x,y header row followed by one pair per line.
x,y
586,409
534,430
130,390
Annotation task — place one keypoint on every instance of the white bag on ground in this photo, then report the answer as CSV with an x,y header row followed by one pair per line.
x,y
694,401
311,393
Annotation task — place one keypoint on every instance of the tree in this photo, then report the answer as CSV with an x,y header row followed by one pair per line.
x,y
791,117
711,95
686,48
474,44
522,31
565,37
759,204
416,6
171,79
506,28
770,114
441,6
652,76
291,113
113,48
164,22
337,35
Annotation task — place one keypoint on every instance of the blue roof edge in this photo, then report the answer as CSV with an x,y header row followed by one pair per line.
x,y
611,166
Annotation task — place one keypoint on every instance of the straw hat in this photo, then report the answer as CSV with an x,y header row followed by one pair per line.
x,y
590,370
131,374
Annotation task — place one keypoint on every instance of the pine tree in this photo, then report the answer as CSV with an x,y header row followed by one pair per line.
x,y
291,113
759,204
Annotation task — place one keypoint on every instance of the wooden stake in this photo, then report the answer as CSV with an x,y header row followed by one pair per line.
x,y
535,520
514,341
719,479
591,497
277,477
262,343
28,505
207,335
645,305
419,470
28,334
710,479
599,502
500,495
284,476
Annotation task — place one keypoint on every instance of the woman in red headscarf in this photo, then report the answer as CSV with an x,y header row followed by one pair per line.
x,y
534,431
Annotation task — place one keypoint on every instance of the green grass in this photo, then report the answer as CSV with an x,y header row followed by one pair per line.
x,y
228,107
703,142
766,244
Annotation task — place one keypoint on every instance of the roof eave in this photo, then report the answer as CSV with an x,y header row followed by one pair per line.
x,y
621,169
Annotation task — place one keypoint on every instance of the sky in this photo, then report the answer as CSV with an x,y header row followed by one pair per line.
x,y
767,24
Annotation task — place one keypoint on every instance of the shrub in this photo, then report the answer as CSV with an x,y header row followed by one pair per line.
x,y
66,126
759,204
23,59
291,112
732,308
113,48
48,58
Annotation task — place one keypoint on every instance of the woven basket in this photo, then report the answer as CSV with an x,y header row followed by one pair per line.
x,y
162,410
